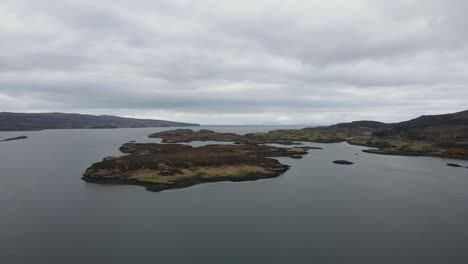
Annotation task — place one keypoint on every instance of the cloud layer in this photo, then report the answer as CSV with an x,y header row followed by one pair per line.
x,y
235,62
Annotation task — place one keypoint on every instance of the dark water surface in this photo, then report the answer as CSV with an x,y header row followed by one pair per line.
x,y
383,209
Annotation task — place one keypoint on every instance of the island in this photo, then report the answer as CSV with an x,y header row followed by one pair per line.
x,y
160,167
283,137
454,165
14,138
188,135
343,162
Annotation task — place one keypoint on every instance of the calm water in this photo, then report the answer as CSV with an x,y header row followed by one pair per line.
x,y
383,209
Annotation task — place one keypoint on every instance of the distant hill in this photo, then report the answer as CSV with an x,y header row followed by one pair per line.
x,y
436,124
386,129
361,124
455,119
431,135
40,121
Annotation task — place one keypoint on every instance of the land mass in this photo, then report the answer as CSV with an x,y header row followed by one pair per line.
x,y
188,135
432,135
285,137
40,121
168,166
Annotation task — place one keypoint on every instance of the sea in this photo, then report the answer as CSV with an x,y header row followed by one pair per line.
x,y
382,209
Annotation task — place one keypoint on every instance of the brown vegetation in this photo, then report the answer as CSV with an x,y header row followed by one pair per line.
x,y
167,166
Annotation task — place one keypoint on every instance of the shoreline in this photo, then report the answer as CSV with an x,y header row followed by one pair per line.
x,y
158,187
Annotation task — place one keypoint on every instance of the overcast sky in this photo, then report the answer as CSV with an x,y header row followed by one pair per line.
x,y
236,62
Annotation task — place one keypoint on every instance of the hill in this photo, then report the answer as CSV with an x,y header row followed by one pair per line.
x,y
455,119
361,124
430,135
40,121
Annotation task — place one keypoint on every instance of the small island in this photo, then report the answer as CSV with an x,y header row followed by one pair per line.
x,y
160,167
454,165
14,138
343,162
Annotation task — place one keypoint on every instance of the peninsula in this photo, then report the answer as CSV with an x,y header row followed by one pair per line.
x,y
432,135
41,121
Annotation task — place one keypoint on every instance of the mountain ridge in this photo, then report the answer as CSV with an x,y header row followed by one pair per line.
x,y
10,121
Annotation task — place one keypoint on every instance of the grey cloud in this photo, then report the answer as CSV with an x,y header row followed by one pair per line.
x,y
213,61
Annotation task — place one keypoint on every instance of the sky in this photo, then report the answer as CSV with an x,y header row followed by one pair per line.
x,y
250,62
